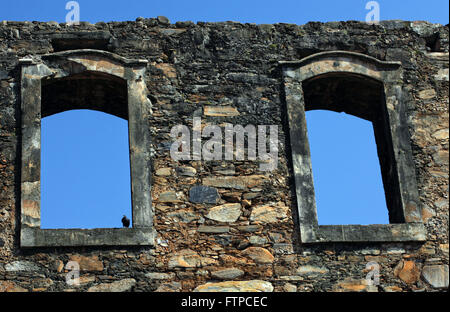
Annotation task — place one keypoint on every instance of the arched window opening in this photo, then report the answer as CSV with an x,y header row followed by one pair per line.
x,y
90,82
348,180
370,89
87,90
85,165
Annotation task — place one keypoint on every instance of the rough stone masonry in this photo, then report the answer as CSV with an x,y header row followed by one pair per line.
x,y
225,225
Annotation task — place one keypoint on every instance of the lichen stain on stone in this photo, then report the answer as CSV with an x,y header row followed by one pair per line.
x,y
329,66
411,213
31,208
29,76
95,63
168,70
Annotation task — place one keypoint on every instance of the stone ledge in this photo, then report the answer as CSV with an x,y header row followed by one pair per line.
x,y
35,237
401,232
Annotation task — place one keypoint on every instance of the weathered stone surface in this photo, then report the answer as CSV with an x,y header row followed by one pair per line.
x,y
231,260
232,197
309,270
444,249
213,229
236,286
269,213
205,261
3,75
288,287
370,251
203,194
443,74
276,237
86,279
168,197
220,111
291,278
392,288
159,276
257,240
439,174
118,286
169,287
183,215
17,266
407,271
164,172
441,134
59,266
250,228
427,249
395,251
441,157
239,183
226,274
9,286
225,213
168,70
427,94
31,208
249,196
163,20
436,275
427,213
88,263
186,171
352,285
259,255
283,248
187,258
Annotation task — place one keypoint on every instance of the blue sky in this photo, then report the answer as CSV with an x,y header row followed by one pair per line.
x,y
71,197
253,11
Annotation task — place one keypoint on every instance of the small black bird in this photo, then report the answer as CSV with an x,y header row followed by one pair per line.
x,y
125,221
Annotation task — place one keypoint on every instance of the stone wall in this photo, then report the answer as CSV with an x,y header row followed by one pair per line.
x,y
225,225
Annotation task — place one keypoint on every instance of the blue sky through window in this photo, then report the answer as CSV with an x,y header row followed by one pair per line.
x,y
85,170
346,171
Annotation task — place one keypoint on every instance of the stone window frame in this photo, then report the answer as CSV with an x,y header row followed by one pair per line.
x,y
390,75
65,64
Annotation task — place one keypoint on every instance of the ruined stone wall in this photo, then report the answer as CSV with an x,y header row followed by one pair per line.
x,y
219,221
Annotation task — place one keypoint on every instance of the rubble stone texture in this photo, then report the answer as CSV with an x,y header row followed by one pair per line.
x,y
220,225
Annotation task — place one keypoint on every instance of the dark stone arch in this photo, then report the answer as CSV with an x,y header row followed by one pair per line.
x,y
354,94
86,90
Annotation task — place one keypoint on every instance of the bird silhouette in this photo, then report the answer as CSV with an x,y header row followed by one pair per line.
x,y
125,221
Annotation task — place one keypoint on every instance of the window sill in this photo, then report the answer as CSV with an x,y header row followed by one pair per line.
x,y
36,237
402,232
